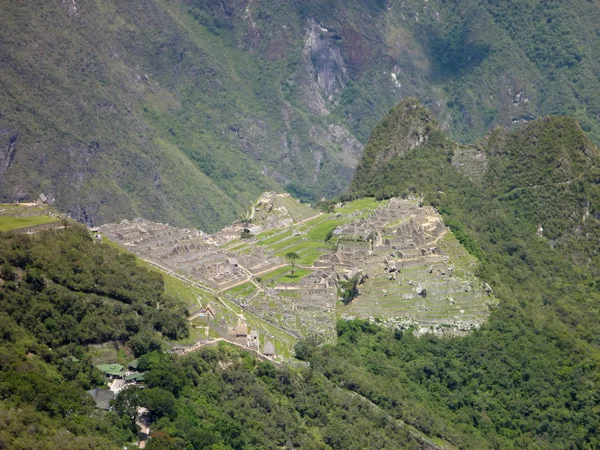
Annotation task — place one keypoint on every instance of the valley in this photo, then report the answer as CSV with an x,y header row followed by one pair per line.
x,y
308,224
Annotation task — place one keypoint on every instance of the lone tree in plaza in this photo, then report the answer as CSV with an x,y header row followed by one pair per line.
x,y
291,259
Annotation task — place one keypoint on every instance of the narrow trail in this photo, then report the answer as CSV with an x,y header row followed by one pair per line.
x,y
215,341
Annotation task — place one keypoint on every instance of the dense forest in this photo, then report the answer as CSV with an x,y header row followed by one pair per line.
x,y
59,292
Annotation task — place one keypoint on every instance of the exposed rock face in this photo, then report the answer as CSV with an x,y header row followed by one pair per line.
x,y
8,148
328,66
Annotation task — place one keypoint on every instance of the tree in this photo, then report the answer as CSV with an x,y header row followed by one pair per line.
x,y
349,290
291,259
159,402
126,405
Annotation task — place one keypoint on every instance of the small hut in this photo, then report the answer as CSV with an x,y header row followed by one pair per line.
x,y
209,312
269,350
241,330
41,200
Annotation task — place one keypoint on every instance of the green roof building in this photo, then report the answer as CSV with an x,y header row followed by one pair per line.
x,y
112,370
135,376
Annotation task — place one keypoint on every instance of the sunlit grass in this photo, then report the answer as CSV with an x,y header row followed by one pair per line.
x,y
10,223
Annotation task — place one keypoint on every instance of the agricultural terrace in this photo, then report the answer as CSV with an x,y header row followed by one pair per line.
x,y
405,263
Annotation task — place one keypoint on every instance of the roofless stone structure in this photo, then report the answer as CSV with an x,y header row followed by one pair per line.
x,y
411,268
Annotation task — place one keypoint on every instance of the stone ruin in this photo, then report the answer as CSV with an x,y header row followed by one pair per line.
x,y
398,250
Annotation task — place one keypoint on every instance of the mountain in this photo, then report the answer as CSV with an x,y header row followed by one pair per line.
x,y
525,203
544,174
69,302
186,111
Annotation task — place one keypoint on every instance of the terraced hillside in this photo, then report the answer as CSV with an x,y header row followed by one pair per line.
x,y
408,266
28,218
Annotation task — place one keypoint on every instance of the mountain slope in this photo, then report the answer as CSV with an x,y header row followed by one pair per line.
x,y
61,291
526,378
545,173
185,111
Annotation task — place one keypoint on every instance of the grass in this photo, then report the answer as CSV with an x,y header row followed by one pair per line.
x,y
275,239
10,223
367,203
241,290
309,251
283,275
298,275
21,207
319,232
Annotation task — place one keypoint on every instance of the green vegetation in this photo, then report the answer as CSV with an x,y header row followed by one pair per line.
x,y
10,223
349,290
283,275
184,292
294,277
203,98
60,292
196,402
292,258
526,379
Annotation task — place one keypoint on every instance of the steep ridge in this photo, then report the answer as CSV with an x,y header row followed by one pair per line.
x,y
544,173
492,387
186,111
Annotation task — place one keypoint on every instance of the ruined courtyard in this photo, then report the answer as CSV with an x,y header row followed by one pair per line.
x,y
412,272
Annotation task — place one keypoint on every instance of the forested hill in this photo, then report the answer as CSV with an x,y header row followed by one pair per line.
x,y
60,292
544,174
184,112
526,204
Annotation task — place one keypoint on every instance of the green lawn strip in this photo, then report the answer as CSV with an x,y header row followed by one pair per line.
x,y
268,277
309,251
367,204
10,223
21,208
276,238
233,245
283,246
319,232
242,290
269,233
283,275
309,257
299,273
307,226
